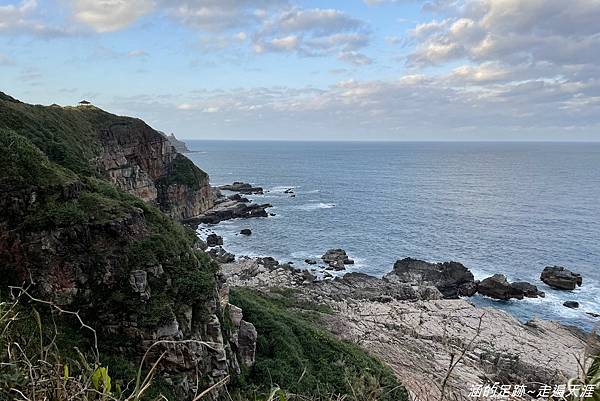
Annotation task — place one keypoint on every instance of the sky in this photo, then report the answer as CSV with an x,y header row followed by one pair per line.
x,y
514,70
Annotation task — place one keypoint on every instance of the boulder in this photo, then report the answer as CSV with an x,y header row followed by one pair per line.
x,y
246,231
529,290
337,259
452,279
561,278
310,261
214,240
221,255
498,287
571,304
238,198
242,187
268,262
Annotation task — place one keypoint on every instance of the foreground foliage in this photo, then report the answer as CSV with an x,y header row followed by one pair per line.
x,y
295,354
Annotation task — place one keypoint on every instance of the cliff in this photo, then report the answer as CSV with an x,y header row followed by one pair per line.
x,y
126,151
79,226
179,145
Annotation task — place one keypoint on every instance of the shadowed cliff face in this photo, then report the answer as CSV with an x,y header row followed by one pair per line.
x,y
132,155
89,238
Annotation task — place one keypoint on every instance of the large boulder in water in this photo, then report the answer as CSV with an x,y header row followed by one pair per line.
x,y
529,290
561,278
452,279
498,287
337,259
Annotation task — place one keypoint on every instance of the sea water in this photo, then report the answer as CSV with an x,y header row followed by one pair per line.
x,y
509,208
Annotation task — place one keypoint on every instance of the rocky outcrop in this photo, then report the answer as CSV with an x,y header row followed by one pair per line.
x,y
337,259
571,304
242,187
419,334
529,290
179,146
228,210
141,161
214,240
221,255
453,279
561,278
498,287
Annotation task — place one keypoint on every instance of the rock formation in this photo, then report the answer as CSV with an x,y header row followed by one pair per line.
x,y
561,278
451,278
242,187
72,227
419,334
337,259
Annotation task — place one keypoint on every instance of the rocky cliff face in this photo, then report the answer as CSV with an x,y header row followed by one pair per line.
x,y
141,161
134,274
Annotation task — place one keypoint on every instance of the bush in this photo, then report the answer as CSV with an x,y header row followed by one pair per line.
x,y
302,358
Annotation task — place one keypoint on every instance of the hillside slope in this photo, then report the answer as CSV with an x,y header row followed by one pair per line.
x,y
128,152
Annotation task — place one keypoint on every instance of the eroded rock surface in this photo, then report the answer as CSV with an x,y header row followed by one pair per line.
x,y
561,278
419,334
451,278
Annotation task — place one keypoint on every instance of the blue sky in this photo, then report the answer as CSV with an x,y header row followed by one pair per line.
x,y
279,69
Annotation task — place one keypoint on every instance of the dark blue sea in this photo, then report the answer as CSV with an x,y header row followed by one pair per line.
x,y
510,208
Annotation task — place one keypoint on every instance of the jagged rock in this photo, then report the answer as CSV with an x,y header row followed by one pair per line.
x,y
310,261
229,210
246,231
571,304
242,187
138,280
247,336
214,240
592,314
529,290
268,262
498,287
238,198
221,255
561,278
289,191
468,289
451,278
337,259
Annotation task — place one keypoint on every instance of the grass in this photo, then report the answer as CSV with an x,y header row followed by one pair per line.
x,y
295,354
184,172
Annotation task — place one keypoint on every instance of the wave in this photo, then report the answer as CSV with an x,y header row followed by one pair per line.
x,y
314,206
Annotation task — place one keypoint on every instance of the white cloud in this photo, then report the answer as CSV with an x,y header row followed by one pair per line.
x,y
110,15
314,32
21,18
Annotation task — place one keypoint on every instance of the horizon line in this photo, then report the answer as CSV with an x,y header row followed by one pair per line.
x,y
387,140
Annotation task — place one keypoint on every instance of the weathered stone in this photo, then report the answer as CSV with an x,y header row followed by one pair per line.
x,y
246,231
214,240
529,290
310,261
561,278
448,277
499,288
571,304
242,187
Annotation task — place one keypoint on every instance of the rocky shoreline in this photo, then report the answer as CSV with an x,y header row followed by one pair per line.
x,y
419,332
417,318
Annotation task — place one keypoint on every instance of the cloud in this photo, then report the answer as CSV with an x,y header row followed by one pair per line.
x,y
355,58
20,19
110,15
314,32
512,31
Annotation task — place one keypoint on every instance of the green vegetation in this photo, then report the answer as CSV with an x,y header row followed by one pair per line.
x,y
296,355
24,164
184,172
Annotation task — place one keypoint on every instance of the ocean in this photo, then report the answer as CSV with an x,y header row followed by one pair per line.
x,y
509,208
